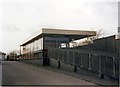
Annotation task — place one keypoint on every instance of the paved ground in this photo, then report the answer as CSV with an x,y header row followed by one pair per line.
x,y
16,73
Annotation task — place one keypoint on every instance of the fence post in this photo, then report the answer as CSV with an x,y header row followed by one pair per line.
x,y
89,61
73,58
81,65
58,64
74,65
100,68
58,59
68,56
114,66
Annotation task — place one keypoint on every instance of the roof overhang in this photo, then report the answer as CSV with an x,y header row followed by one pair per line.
x,y
72,34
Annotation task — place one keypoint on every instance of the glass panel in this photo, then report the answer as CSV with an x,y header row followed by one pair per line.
x,y
55,41
40,44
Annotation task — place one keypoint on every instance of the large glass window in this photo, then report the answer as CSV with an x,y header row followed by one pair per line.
x,y
32,46
24,49
35,45
55,41
40,44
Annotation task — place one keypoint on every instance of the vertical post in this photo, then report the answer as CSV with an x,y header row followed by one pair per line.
x,y
44,62
58,58
65,45
58,64
68,45
89,61
68,56
99,64
73,58
100,68
74,65
81,55
45,58
113,66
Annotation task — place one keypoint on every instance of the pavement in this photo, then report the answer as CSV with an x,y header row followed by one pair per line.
x,y
90,78
21,74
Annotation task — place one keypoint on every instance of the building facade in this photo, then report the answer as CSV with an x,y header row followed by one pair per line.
x,y
36,47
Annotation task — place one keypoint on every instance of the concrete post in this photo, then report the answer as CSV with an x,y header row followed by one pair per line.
x,y
113,66
81,60
58,64
100,72
89,61
67,56
74,65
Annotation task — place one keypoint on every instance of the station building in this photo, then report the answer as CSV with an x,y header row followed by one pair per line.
x,y
37,46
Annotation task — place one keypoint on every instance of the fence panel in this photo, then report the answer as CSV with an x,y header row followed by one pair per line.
x,y
107,65
98,63
56,53
78,59
70,57
95,63
117,67
64,56
85,60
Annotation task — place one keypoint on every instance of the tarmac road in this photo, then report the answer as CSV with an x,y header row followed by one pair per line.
x,y
17,73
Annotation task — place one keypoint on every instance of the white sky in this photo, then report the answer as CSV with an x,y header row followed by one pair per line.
x,y
20,19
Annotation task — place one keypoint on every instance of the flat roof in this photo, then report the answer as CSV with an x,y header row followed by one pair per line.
x,y
73,34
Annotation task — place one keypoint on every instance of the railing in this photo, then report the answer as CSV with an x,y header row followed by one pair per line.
x,y
97,62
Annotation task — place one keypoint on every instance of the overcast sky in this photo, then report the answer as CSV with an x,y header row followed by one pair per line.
x,y
22,18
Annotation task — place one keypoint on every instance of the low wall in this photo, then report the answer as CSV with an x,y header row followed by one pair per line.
x,y
67,67
53,63
33,61
72,68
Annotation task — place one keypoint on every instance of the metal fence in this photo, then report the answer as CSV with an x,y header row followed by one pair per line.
x,y
97,62
107,44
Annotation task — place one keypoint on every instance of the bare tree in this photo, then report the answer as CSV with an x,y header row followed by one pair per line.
x,y
13,55
89,40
